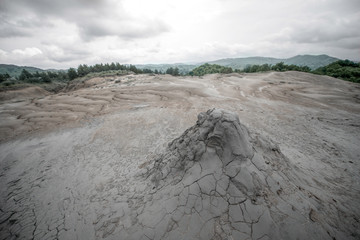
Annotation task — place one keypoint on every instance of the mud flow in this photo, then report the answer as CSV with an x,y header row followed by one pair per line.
x,y
235,156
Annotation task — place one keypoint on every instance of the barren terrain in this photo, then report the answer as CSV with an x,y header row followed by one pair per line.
x,y
85,163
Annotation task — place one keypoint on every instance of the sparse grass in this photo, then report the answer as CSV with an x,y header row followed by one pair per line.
x,y
102,74
89,76
54,86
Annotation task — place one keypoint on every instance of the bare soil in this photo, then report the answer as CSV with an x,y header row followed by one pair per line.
x,y
70,162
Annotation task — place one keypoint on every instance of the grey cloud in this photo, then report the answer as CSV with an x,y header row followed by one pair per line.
x,y
353,43
89,30
67,55
345,6
50,8
125,29
319,35
62,58
94,18
349,43
7,31
326,29
20,26
65,52
33,23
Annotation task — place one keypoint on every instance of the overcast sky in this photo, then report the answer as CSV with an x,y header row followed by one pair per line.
x,y
66,33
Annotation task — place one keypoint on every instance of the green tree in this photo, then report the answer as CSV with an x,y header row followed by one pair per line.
x,y
209,69
176,72
134,69
4,77
112,66
280,67
24,75
72,74
83,70
343,69
170,71
45,77
265,67
146,70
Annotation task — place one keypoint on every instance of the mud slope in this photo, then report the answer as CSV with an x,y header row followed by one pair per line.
x,y
215,182
95,162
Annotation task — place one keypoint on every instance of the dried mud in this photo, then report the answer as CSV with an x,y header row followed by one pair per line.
x,y
94,162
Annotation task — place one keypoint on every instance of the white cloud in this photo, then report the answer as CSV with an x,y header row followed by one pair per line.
x,y
27,52
3,53
64,33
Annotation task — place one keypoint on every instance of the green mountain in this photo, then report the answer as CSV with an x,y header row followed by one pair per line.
x,y
14,71
241,63
312,61
183,68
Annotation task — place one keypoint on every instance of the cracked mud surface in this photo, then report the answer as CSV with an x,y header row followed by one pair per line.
x,y
122,159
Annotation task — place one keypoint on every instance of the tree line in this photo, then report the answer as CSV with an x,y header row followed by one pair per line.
x,y
42,77
37,77
4,77
343,69
84,69
279,67
209,69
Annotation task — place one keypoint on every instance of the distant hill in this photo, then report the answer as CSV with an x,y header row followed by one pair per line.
x,y
15,71
312,61
183,68
241,63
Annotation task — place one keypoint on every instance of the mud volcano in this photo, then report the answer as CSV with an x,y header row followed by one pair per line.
x,y
217,182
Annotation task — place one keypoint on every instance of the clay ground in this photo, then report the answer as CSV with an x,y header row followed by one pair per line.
x,y
67,160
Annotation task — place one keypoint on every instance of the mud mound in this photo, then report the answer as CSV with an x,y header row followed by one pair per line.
x,y
81,164
216,129
23,94
215,182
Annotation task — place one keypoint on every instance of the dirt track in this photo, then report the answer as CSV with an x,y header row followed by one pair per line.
x,y
68,161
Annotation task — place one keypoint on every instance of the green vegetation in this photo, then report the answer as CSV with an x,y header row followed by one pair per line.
x,y
84,69
15,71
279,67
312,61
184,69
173,71
210,68
4,77
43,77
343,69
214,68
54,80
72,74
100,74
